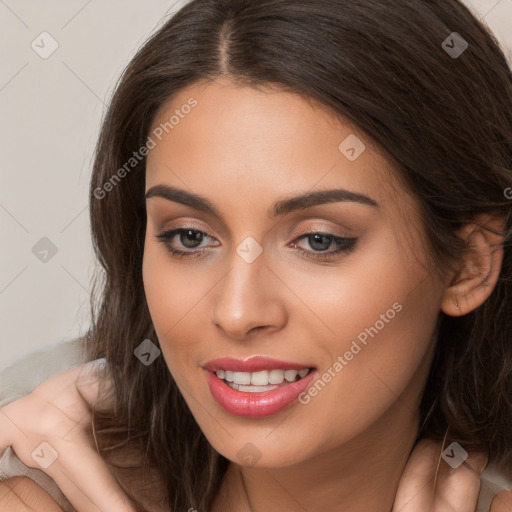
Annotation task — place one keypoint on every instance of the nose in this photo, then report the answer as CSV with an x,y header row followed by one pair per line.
x,y
248,300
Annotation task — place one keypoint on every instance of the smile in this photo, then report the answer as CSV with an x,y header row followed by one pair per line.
x,y
271,387
254,382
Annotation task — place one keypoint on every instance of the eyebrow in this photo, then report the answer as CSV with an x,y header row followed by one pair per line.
x,y
282,207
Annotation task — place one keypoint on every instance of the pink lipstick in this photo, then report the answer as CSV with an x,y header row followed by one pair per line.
x,y
258,386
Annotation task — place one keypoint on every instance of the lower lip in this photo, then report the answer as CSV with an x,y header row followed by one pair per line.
x,y
256,405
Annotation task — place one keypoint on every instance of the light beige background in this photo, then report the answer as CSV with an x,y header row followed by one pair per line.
x,y
50,116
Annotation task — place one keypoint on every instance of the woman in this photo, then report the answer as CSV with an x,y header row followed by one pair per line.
x,y
302,212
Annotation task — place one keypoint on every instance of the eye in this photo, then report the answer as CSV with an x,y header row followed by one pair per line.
x,y
322,242
189,238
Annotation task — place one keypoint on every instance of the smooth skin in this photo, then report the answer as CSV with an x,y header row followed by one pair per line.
x,y
349,448
244,150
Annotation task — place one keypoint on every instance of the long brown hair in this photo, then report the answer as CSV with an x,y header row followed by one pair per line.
x,y
444,119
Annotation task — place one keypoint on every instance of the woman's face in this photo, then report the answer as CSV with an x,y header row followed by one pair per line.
x,y
335,283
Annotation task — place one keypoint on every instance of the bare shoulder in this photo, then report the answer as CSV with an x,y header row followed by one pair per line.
x,y
21,494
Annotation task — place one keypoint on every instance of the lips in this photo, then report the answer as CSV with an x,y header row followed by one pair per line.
x,y
247,400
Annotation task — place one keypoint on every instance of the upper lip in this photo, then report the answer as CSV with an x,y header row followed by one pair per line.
x,y
252,364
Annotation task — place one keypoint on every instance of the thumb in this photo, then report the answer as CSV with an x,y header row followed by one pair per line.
x,y
458,482
415,489
430,484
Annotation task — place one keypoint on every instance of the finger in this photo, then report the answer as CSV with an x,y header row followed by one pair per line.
x,y
95,491
77,469
502,502
23,494
94,384
86,377
100,490
453,488
75,391
25,422
458,488
416,487
11,428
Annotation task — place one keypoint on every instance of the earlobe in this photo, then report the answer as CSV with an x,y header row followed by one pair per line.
x,y
479,268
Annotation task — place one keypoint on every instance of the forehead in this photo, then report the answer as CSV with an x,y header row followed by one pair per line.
x,y
262,141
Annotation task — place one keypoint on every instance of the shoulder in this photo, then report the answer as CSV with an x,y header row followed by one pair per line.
x,y
21,494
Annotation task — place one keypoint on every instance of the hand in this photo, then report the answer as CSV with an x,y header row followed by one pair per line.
x,y
502,502
455,489
21,494
58,413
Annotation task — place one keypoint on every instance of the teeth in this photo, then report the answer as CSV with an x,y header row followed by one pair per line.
x,y
241,377
290,375
276,376
261,378
251,389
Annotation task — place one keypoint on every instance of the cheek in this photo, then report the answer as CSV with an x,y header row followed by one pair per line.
x,y
384,324
372,295
365,379
175,294
372,331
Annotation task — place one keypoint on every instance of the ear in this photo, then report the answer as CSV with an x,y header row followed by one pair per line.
x,y
479,267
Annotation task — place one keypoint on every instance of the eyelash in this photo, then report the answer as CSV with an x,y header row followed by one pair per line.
x,y
346,245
